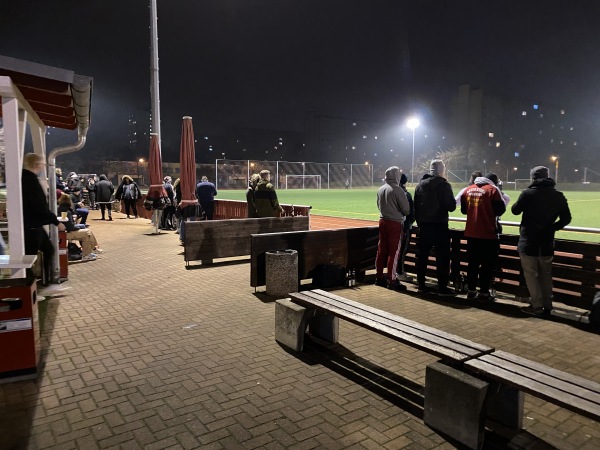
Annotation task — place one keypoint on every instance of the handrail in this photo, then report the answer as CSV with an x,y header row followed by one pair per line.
x,y
517,224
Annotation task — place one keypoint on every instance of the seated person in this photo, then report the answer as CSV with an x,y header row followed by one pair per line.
x,y
83,235
77,200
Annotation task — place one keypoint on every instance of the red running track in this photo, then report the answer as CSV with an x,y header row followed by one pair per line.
x,y
332,223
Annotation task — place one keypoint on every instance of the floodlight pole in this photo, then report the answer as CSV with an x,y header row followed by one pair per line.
x,y
154,89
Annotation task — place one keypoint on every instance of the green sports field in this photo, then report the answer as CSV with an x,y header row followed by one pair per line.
x,y
361,204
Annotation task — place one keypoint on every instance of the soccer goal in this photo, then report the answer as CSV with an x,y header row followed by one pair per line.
x,y
303,181
521,183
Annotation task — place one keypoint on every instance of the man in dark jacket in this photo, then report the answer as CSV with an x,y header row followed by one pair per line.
x,y
433,200
104,192
36,213
265,197
206,191
545,211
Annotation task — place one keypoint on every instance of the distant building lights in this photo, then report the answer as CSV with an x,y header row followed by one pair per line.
x,y
353,147
375,137
535,106
353,124
562,112
497,144
523,113
364,136
491,135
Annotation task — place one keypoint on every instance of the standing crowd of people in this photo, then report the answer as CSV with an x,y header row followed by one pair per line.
x,y
545,210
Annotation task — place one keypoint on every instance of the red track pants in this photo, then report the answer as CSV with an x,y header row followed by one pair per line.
x,y
388,249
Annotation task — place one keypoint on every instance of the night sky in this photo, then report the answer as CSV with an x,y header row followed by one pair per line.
x,y
265,63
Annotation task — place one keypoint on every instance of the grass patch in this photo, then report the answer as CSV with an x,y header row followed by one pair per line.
x,y
362,204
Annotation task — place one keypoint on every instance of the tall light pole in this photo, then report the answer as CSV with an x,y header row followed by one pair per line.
x,y
413,123
555,159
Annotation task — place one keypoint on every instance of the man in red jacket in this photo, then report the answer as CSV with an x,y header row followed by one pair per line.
x,y
482,203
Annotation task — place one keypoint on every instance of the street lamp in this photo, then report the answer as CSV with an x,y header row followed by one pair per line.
x,y
413,124
140,161
555,159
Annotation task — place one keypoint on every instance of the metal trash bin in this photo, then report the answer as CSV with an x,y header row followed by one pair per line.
x,y
281,272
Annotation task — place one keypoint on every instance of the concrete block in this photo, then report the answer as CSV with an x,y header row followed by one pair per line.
x,y
504,405
290,323
454,404
325,327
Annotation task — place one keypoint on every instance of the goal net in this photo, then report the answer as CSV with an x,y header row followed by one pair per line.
x,y
522,183
303,181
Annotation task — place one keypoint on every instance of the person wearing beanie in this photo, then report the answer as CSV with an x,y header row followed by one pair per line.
x,y
393,208
545,211
406,232
483,204
433,201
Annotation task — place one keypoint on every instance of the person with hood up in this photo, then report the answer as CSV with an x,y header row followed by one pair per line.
x,y
483,204
104,192
545,211
129,192
406,231
74,182
433,201
393,208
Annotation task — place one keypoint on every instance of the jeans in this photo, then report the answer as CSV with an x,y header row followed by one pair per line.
x,y
538,277
82,213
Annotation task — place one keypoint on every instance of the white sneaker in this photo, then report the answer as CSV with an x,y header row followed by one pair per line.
x,y
90,257
404,277
98,250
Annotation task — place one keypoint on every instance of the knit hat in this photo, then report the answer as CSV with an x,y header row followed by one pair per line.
x,y
539,172
492,177
437,167
403,180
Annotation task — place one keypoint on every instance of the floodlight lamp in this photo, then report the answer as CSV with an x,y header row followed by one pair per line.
x,y
413,123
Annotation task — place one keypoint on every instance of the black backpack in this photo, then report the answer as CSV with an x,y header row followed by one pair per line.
x,y
595,312
75,253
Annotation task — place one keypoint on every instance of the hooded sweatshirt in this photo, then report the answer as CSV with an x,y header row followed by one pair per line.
x,y
482,203
391,199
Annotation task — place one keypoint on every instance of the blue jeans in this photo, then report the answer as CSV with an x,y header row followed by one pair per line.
x,y
83,214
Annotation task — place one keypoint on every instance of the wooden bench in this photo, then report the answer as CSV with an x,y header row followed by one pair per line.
x,y
209,239
320,304
518,375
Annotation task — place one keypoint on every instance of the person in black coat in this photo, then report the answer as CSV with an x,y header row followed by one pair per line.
x,y
545,211
129,192
36,213
104,192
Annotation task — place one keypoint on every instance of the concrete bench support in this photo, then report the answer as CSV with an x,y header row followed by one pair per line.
x,y
292,319
504,405
454,404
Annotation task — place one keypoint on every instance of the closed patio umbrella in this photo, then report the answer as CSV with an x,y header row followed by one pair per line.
x,y
187,168
155,199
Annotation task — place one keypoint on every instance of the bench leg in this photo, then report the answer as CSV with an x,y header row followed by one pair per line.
x,y
454,404
325,327
291,320
504,405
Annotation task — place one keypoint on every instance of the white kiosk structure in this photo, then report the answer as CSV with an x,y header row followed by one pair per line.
x,y
36,96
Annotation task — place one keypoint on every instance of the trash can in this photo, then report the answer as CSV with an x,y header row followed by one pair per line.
x,y
281,272
19,333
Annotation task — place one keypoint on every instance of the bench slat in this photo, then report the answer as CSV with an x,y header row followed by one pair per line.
x,y
531,386
554,373
384,314
393,327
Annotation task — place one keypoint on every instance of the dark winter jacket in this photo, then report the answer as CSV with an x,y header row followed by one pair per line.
x,y
104,190
410,217
265,199
541,205
128,191
70,223
36,212
433,200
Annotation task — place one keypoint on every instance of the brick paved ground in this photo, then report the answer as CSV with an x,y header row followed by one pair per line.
x,y
142,353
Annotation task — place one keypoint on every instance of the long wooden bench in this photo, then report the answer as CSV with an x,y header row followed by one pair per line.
x,y
209,239
472,384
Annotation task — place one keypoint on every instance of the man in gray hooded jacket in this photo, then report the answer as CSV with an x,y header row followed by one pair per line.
x,y
393,208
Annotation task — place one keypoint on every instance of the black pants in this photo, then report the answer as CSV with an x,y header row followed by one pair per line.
x,y
104,206
129,204
482,255
434,235
36,239
209,209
